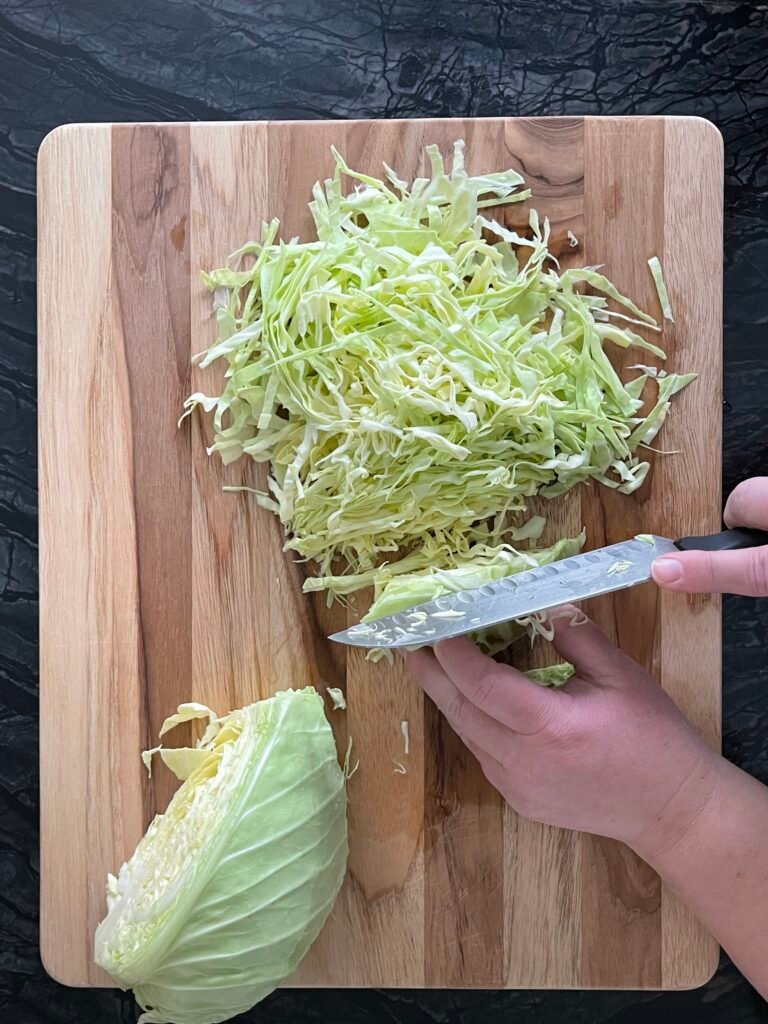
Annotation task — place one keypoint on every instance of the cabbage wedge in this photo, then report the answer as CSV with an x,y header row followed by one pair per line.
x,y
229,888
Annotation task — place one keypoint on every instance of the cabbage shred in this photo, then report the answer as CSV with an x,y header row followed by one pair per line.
x,y
421,370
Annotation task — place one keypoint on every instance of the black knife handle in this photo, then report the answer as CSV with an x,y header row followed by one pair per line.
x,y
728,540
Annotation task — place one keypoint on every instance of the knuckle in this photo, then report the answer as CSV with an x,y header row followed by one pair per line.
x,y
708,575
757,571
736,503
565,737
747,504
485,685
544,719
555,728
455,711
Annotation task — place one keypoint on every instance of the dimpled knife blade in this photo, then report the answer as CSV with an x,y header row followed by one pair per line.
x,y
514,597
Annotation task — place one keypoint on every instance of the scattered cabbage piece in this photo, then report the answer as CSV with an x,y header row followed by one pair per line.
x,y
228,889
649,371
618,567
531,530
553,675
338,698
421,369
405,730
543,623
146,757
661,287
349,771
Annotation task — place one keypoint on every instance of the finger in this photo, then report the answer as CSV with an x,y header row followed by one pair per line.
x,y
482,733
592,654
715,572
748,504
503,693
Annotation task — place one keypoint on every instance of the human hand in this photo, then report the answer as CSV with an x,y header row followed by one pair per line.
x,y
610,753
724,572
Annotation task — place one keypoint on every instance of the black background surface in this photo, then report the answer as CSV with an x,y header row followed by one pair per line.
x,y
138,60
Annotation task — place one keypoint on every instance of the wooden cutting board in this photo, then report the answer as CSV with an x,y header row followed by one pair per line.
x,y
158,587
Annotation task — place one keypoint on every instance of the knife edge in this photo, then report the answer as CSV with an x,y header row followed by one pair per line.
x,y
577,578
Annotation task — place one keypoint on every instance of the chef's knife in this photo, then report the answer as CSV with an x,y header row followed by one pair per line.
x,y
514,597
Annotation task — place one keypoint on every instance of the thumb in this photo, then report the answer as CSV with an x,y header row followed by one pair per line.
x,y
724,572
714,572
748,504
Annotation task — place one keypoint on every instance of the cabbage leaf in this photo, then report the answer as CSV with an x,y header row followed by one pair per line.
x,y
553,675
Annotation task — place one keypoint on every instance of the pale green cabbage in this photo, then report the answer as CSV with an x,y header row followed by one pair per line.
x,y
481,564
552,675
228,889
419,370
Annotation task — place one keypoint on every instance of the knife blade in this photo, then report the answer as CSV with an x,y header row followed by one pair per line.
x,y
570,580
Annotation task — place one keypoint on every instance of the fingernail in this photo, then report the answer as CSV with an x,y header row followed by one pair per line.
x,y
666,570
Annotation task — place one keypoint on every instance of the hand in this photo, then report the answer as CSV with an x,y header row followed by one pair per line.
x,y
724,572
610,753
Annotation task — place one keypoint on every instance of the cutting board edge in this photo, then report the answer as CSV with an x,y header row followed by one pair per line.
x,y
77,127
352,121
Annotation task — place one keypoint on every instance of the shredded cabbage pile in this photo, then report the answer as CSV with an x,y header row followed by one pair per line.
x,y
418,372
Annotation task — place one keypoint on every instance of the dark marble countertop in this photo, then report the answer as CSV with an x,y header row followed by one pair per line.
x,y
126,60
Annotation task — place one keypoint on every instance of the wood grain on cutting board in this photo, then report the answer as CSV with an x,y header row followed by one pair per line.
x,y
157,586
